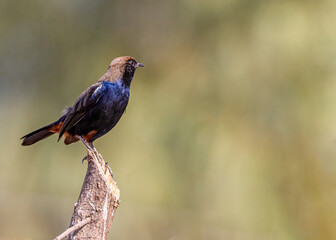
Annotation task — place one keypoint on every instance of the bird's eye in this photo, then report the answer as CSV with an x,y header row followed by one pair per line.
x,y
129,67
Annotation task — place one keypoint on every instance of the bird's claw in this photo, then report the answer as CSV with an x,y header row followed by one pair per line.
x,y
85,158
108,167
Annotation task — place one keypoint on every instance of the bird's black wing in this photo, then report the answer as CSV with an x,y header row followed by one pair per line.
x,y
82,106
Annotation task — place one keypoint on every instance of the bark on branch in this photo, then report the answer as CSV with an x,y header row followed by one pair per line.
x,y
97,202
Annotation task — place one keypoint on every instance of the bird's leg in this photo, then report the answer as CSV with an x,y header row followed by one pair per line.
x,y
87,145
96,152
89,148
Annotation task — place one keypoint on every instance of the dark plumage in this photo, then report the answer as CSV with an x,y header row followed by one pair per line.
x,y
97,110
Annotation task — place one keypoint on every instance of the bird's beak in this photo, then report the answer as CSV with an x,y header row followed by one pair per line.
x,y
140,65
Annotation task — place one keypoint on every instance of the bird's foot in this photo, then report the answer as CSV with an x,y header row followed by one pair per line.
x,y
95,152
93,149
89,146
108,167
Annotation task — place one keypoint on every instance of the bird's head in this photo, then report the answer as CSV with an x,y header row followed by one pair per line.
x,y
122,68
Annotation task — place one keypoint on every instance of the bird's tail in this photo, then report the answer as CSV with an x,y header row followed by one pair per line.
x,y
41,133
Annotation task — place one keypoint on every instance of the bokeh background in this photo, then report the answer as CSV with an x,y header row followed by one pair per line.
x,y
230,132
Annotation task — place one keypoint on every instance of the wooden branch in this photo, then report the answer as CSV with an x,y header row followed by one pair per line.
x,y
98,200
72,229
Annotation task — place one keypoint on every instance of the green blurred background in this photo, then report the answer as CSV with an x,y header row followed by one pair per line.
x,y
230,132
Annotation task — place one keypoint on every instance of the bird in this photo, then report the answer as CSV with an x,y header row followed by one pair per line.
x,y
96,111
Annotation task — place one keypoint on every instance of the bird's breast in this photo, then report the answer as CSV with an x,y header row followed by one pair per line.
x,y
117,97
113,104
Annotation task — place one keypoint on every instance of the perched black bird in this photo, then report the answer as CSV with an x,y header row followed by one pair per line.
x,y
97,110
